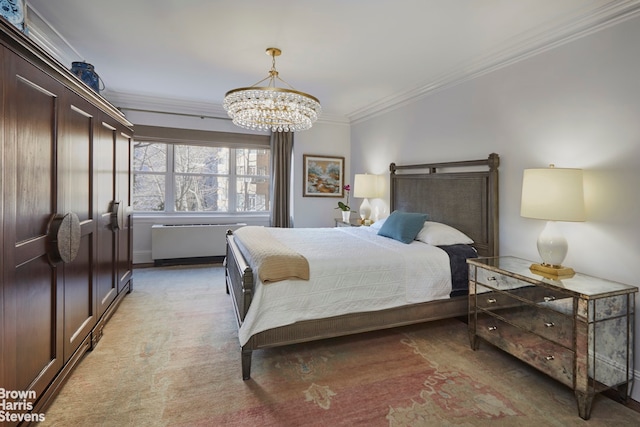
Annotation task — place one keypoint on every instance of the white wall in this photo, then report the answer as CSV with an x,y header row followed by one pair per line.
x,y
322,139
577,105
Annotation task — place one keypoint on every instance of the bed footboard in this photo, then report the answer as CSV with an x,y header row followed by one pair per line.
x,y
239,283
239,278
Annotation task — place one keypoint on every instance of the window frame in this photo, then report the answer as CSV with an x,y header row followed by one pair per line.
x,y
232,141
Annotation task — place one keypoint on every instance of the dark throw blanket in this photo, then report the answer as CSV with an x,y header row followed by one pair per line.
x,y
458,255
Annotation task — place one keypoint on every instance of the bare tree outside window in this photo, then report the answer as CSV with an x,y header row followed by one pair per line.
x,y
201,178
149,188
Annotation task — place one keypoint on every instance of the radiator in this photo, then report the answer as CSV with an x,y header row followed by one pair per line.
x,y
189,240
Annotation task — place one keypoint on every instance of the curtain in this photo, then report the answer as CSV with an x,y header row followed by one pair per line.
x,y
281,153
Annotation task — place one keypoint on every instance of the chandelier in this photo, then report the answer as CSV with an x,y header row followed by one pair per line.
x,y
271,108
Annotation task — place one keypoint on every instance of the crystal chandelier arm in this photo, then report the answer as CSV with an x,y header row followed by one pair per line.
x,y
269,77
280,79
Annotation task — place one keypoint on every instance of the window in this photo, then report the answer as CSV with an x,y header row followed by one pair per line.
x,y
177,178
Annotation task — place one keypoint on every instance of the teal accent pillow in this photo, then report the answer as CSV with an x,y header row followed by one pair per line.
x,y
403,226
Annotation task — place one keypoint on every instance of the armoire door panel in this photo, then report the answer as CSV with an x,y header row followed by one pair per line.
x,y
106,289
36,121
75,194
36,329
104,179
123,193
74,161
79,316
33,294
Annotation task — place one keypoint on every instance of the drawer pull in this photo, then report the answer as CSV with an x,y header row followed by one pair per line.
x,y
548,299
549,358
491,300
491,278
549,324
492,328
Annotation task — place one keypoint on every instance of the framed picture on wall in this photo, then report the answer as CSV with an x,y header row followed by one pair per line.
x,y
323,176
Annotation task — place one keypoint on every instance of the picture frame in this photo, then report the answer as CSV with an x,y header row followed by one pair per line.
x,y
323,176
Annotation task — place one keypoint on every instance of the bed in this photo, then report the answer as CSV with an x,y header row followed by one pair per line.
x,y
461,194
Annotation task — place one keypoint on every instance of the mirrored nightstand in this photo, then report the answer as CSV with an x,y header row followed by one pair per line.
x,y
578,330
352,223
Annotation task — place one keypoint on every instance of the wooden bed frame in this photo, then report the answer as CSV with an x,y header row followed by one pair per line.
x,y
463,194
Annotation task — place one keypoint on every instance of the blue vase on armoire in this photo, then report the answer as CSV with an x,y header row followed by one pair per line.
x,y
87,74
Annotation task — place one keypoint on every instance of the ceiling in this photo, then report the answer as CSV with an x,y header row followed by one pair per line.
x,y
357,57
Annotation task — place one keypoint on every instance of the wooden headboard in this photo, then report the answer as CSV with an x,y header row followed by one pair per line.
x,y
462,194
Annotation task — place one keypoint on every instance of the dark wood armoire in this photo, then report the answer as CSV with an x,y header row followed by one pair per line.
x,y
66,227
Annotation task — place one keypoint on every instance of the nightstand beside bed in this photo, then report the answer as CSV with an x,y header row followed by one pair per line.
x,y
577,330
351,223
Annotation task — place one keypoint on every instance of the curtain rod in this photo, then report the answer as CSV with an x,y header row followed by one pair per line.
x,y
201,116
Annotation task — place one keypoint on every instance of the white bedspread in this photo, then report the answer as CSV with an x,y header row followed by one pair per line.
x,y
352,269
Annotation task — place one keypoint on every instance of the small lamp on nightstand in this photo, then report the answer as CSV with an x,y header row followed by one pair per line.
x,y
365,185
552,194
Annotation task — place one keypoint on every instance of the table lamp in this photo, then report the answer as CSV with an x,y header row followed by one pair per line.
x,y
552,194
365,185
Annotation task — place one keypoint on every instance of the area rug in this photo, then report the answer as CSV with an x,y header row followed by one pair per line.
x,y
170,357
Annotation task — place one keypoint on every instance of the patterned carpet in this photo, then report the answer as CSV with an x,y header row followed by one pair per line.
x,y
170,357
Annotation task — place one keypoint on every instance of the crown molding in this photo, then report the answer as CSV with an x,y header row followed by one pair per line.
x,y
527,45
49,39
143,102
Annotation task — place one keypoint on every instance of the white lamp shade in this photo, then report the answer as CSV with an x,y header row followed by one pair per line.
x,y
365,185
553,194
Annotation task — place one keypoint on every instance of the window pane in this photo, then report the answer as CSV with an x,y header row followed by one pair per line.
x,y
149,157
251,161
148,192
197,193
196,159
252,194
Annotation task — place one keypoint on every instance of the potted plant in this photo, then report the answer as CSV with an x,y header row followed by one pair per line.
x,y
344,207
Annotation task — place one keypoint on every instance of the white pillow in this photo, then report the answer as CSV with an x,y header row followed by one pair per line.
x,y
438,234
376,225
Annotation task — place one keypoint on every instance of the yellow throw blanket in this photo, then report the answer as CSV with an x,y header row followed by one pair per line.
x,y
273,260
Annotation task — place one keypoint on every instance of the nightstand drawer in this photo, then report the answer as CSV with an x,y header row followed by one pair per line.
x,y
517,287
552,359
546,322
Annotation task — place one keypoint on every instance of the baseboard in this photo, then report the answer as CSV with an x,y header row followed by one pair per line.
x,y
142,257
188,261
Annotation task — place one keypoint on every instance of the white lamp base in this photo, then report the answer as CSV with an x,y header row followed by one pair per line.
x,y
552,272
365,209
552,247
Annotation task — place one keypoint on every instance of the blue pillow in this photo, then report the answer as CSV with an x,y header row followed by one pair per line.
x,y
403,226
